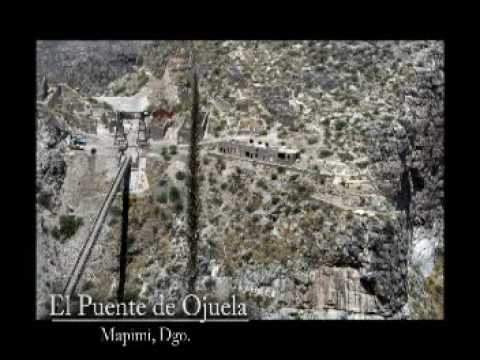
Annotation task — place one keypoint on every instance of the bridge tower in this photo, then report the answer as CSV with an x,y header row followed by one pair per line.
x,y
124,234
142,136
120,136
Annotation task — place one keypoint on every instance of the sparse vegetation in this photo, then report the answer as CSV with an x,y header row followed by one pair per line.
x,y
220,165
282,134
119,89
180,175
324,153
262,184
68,226
45,200
178,207
345,156
220,126
174,194
162,198
142,80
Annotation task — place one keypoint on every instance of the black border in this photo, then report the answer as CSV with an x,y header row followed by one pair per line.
x,y
339,336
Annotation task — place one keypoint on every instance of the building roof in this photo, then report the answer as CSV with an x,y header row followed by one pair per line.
x,y
288,150
256,144
128,104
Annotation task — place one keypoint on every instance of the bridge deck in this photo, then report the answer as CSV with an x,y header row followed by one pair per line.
x,y
85,251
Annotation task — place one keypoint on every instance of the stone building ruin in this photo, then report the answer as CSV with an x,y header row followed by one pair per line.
x,y
260,151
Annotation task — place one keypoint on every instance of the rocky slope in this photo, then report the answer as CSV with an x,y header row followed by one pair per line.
x,y
87,65
365,243
70,185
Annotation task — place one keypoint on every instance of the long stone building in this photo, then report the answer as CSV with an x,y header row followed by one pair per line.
x,y
260,151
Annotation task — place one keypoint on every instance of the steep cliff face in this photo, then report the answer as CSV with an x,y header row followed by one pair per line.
x,y
88,65
69,188
51,172
411,153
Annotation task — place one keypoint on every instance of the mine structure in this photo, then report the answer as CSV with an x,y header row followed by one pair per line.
x,y
161,114
260,151
120,139
142,135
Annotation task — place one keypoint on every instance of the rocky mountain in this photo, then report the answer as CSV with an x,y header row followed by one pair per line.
x,y
87,65
357,234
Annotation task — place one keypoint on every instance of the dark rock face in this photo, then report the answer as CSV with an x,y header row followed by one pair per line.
x,y
386,276
423,167
426,161
412,156
90,65
51,167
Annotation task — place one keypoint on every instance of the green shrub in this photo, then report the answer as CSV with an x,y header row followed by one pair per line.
x,y
119,89
325,153
220,165
346,157
212,179
217,201
340,125
44,199
174,194
69,225
221,126
282,134
162,198
173,149
178,207
262,184
312,140
142,80
180,175
56,232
